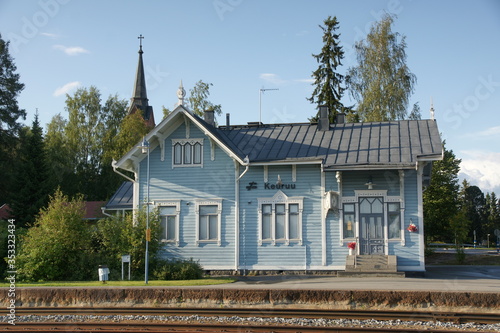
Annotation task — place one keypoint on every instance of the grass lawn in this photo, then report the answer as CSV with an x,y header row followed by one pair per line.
x,y
470,259
181,283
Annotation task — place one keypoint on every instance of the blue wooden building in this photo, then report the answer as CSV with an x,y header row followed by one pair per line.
x,y
282,197
286,197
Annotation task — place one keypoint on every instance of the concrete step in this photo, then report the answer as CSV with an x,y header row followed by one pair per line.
x,y
371,264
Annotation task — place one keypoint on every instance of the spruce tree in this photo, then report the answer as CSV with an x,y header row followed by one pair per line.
x,y
327,81
31,180
10,88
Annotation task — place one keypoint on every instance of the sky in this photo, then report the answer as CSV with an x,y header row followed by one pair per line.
x,y
244,46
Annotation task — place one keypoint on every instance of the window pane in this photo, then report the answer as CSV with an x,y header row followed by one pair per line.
x,y
394,207
349,208
266,209
394,225
163,227
280,221
365,206
177,153
266,221
294,226
171,227
203,227
187,153
204,210
213,230
167,210
348,225
197,154
377,206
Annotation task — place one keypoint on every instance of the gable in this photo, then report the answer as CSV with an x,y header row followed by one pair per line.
x,y
157,138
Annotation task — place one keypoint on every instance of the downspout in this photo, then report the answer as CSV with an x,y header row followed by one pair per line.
x,y
237,177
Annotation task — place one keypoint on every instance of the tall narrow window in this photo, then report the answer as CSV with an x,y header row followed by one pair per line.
x,y
197,153
267,216
209,221
293,217
168,218
394,215
188,153
348,221
169,212
280,221
177,154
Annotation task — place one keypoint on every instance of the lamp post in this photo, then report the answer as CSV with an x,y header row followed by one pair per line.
x,y
145,150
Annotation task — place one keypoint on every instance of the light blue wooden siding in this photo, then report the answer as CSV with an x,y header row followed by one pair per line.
x,y
408,255
281,256
383,180
214,180
335,251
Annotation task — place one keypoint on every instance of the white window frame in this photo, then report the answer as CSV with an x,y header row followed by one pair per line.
x,y
209,202
177,205
281,198
183,143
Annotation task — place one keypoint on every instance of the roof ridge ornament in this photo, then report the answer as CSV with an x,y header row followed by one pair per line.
x,y
181,93
141,37
432,109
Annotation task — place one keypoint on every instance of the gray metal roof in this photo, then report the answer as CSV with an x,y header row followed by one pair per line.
x,y
122,199
350,145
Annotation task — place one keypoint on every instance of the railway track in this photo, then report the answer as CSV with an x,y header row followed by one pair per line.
x,y
456,318
201,320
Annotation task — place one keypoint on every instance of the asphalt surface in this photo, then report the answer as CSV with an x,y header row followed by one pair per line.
x,y
437,278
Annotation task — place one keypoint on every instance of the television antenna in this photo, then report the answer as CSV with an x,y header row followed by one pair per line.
x,y
261,90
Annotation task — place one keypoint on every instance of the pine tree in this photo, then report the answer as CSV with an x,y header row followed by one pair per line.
x,y
381,83
31,181
327,81
10,88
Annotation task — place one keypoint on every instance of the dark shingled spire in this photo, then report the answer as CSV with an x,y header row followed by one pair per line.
x,y
139,100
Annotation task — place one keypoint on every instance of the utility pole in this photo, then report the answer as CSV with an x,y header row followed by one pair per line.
x,y
261,90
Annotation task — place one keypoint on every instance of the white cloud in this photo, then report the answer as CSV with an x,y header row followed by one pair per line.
x,y
272,78
304,80
492,131
482,169
277,80
46,34
71,50
66,88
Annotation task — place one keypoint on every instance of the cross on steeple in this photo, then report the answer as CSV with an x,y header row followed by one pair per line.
x,y
140,41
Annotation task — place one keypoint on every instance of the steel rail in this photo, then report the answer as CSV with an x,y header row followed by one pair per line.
x,y
92,327
454,317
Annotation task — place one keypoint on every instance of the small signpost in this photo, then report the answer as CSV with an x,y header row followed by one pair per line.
x,y
497,233
126,258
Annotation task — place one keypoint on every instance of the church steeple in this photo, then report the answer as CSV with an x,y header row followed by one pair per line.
x,y
139,99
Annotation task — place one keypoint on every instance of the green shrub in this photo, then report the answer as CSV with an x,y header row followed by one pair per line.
x,y
177,269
